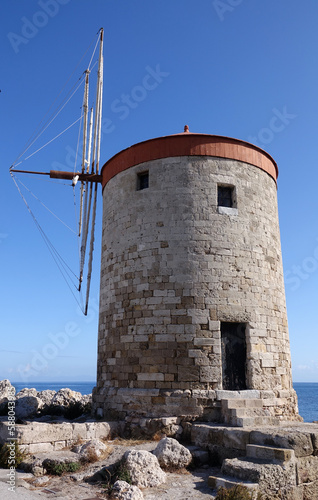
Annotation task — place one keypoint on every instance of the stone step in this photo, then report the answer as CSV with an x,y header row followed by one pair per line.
x,y
219,481
255,421
246,412
229,404
242,469
269,453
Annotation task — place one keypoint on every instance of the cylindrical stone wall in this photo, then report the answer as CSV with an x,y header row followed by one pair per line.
x,y
182,275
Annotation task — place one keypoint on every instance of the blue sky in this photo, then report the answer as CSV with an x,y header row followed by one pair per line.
x,y
238,68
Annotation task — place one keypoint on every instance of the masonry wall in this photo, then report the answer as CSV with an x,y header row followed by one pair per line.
x,y
175,265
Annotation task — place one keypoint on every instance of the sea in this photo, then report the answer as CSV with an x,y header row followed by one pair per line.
x,y
307,394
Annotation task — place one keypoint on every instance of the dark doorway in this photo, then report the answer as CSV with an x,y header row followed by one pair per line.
x,y
233,356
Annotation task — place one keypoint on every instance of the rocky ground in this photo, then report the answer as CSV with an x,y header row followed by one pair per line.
x,y
89,483
172,481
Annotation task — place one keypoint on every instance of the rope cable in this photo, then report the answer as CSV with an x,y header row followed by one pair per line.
x,y
91,250
68,227
48,243
49,142
96,45
27,146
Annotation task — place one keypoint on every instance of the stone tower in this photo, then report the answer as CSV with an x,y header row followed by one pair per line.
x,y
192,301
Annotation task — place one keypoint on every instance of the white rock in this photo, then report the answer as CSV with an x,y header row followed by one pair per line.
x,y
86,398
41,481
91,448
27,393
46,396
171,453
65,396
5,389
27,406
144,468
124,491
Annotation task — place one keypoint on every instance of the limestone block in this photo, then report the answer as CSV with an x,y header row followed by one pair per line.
x,y
249,394
295,440
41,432
102,430
144,468
40,447
188,373
269,453
203,341
150,376
204,434
209,374
235,438
307,469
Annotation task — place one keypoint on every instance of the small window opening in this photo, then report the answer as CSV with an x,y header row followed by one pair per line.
x,y
226,196
142,181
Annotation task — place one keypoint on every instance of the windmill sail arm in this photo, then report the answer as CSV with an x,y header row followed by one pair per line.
x,y
57,174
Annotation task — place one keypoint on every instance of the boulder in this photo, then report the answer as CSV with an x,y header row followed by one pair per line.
x,y
86,399
171,454
64,397
46,397
27,406
144,468
124,491
6,389
92,450
26,393
67,403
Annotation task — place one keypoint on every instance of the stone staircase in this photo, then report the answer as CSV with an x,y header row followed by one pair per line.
x,y
245,412
264,468
246,408
281,462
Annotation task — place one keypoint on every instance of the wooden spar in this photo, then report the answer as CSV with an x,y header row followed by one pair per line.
x,y
13,170
96,155
85,106
57,174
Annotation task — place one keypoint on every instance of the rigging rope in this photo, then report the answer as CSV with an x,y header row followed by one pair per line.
x,y
54,215
64,269
91,249
79,251
47,124
29,143
85,230
62,265
49,142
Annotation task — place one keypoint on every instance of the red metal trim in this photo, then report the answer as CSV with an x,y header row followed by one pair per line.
x,y
189,144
